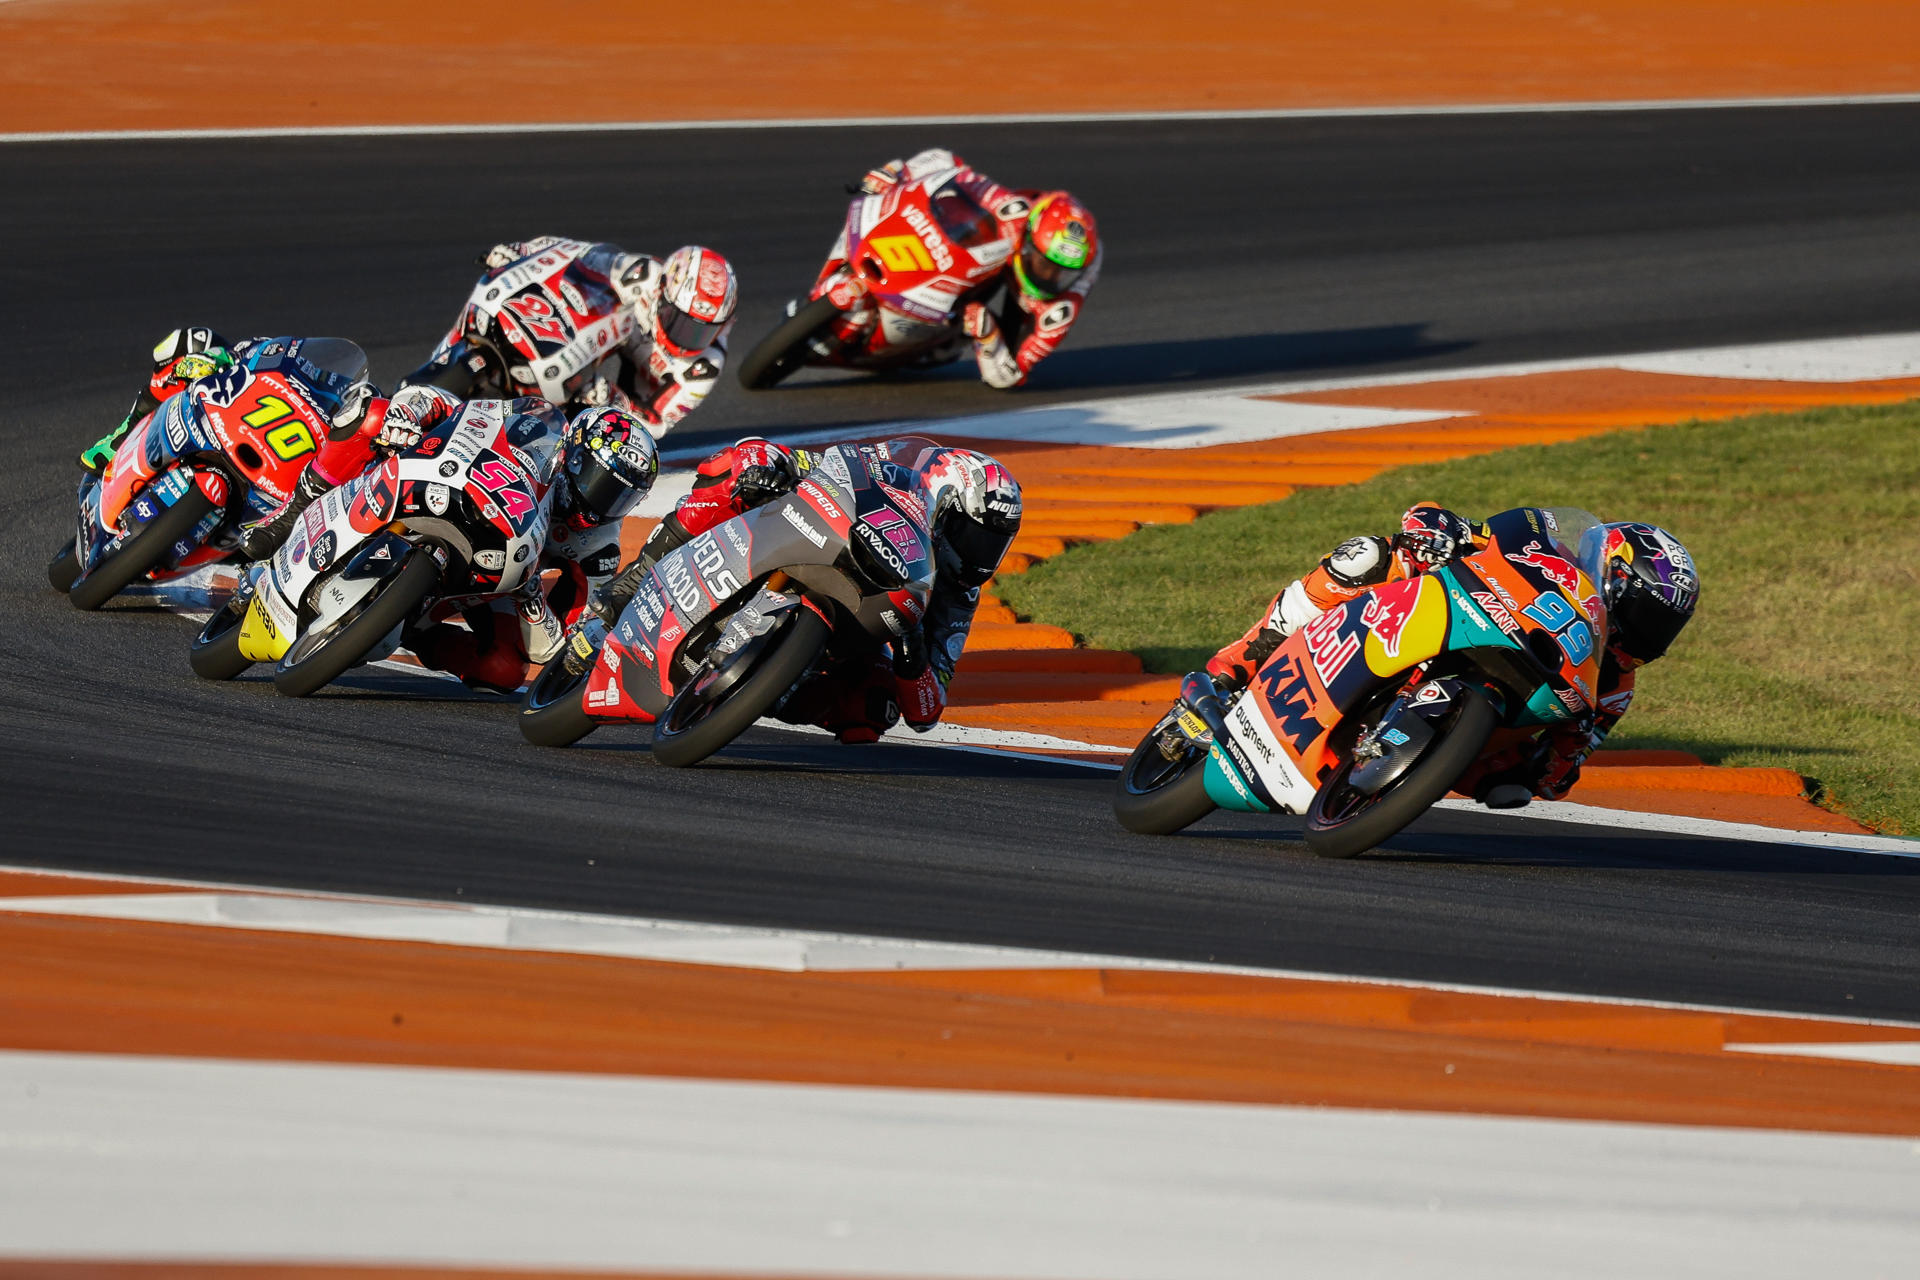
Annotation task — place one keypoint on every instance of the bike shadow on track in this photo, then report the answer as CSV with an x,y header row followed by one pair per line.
x,y
1155,364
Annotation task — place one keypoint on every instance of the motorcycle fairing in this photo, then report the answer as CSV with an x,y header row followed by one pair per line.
x,y
532,304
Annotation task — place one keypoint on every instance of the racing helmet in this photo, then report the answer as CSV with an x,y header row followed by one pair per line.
x,y
611,462
976,513
1059,243
698,292
1651,589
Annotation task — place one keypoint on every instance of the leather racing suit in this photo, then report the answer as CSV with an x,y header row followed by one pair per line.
x,y
1545,761
866,692
505,633
608,283
1010,335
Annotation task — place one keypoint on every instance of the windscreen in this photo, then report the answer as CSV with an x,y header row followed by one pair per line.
x,y
964,221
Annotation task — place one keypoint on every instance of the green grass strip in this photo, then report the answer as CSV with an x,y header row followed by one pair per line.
x,y
1805,526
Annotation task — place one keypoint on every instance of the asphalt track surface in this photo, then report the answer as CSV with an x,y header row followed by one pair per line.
x,y
1238,251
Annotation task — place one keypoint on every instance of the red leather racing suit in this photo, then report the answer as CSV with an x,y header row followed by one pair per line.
x,y
1023,329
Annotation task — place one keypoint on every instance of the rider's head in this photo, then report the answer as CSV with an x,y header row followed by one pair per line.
x,y
1057,246
1651,589
610,465
697,296
976,513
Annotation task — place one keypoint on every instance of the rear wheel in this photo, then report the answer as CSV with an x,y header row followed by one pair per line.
x,y
693,727
784,350
1342,822
216,650
1157,796
317,659
64,569
553,714
144,552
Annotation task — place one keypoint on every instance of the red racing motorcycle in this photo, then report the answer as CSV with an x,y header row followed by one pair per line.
x,y
224,450
915,252
727,625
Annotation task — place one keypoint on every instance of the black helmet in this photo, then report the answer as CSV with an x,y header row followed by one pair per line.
x,y
1651,588
611,462
977,513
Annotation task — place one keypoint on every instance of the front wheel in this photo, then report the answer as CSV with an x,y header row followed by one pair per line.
x,y
693,728
144,552
554,714
318,659
1156,796
216,650
64,569
1342,822
783,351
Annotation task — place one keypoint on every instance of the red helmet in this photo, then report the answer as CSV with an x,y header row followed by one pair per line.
x,y
1059,244
697,295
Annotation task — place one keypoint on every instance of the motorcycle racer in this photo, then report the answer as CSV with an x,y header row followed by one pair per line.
x,y
1054,259
1651,591
609,465
973,505
674,315
179,358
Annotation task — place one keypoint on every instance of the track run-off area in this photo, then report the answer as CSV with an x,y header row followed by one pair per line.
x,y
1242,254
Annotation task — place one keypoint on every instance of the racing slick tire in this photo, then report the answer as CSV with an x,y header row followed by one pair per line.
x,y
553,714
318,659
215,654
64,569
141,554
1155,796
784,350
690,730
1342,822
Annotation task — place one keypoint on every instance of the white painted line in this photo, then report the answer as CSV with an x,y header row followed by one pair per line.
x,y
1892,1053
236,906
1583,107
1192,421
206,1160
1675,824
1188,418
1862,359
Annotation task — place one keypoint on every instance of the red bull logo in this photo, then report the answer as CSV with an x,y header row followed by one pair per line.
x,y
1555,569
1387,612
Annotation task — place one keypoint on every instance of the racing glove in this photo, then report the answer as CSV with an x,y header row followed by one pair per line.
x,y
1430,535
409,414
918,689
881,179
763,472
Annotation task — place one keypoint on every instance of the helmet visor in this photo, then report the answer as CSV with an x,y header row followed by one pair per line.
x,y
1644,625
1045,276
601,493
685,333
975,549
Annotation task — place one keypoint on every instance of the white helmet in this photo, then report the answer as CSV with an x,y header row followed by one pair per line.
x,y
698,293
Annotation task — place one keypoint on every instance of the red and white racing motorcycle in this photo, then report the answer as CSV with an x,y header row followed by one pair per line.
x,y
915,252
458,519
539,327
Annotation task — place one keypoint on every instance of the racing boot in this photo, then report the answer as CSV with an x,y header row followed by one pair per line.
x,y
96,456
263,537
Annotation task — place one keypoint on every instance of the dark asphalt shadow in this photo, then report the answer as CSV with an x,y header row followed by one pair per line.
x,y
1241,356
1151,364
